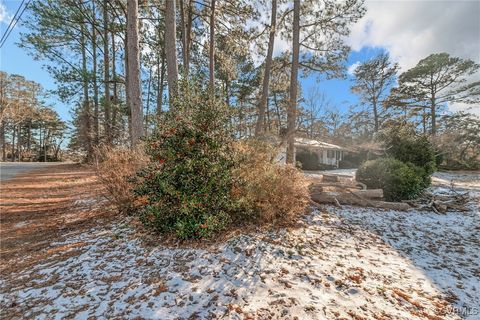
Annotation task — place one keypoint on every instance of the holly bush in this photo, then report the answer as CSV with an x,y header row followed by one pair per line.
x,y
188,183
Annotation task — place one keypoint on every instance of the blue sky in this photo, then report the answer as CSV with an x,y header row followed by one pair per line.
x,y
413,32
338,90
14,60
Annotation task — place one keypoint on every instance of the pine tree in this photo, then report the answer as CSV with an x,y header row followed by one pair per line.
x,y
372,80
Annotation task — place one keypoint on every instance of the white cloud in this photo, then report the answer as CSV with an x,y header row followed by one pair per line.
x,y
351,69
5,17
472,108
411,30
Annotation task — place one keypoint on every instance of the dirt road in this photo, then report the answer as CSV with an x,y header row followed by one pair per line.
x,y
38,206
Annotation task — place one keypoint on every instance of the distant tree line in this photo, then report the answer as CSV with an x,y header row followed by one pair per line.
x,y
30,130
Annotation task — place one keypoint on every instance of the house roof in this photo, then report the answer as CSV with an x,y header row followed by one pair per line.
x,y
310,143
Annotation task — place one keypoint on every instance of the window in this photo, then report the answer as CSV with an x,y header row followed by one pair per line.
x,y
330,154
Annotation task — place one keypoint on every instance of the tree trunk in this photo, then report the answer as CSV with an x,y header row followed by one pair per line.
x,y
45,140
188,30
106,75
424,121
212,49
40,142
351,199
115,91
171,52
277,111
161,80
375,115
19,142
291,113
13,142
95,84
133,70
2,141
86,99
147,114
227,92
259,128
186,20
434,114
57,149
127,92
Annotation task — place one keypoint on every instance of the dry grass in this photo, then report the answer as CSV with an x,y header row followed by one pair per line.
x,y
114,167
275,193
268,193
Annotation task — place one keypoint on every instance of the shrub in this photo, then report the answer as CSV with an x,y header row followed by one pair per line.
x,y
399,181
115,168
407,146
355,159
267,191
307,159
188,183
199,181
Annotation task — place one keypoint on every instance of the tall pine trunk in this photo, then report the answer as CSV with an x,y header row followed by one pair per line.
x,y
113,127
133,71
2,141
375,115
147,113
29,136
433,113
188,31
292,107
86,98
277,111
170,47
260,127
212,49
186,20
96,117
106,74
161,80
424,121
13,142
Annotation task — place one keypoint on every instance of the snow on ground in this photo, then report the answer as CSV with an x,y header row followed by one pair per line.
x,y
349,263
461,180
341,172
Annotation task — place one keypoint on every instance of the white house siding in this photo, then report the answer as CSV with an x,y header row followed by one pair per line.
x,y
332,160
321,148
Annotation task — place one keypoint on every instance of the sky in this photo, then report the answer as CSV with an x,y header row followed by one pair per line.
x,y
15,60
407,30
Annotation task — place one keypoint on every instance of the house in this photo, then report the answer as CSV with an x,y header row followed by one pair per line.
x,y
328,154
